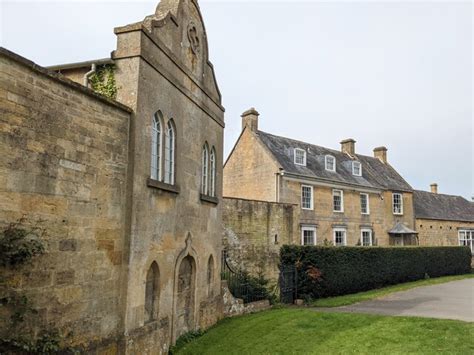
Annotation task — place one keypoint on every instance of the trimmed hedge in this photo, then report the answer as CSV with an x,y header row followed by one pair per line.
x,y
332,271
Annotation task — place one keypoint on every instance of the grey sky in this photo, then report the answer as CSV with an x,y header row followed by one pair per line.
x,y
397,74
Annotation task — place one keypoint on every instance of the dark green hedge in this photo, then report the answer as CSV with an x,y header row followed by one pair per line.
x,y
331,271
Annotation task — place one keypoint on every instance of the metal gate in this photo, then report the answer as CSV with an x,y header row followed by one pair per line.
x,y
288,282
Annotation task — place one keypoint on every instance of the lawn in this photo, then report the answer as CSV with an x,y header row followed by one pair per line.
x,y
306,331
369,295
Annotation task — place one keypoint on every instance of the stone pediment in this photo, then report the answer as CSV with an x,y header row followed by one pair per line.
x,y
178,25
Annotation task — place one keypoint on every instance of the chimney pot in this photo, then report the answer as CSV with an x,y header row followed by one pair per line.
x,y
381,154
434,188
250,119
348,146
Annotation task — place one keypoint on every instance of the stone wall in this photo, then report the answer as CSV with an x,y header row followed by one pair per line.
x,y
252,167
236,306
63,168
440,233
380,219
254,231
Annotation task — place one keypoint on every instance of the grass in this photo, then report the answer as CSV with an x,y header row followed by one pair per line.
x,y
306,331
369,295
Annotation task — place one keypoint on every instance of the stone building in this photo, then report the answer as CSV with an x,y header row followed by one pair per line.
x,y
254,231
343,198
126,190
443,219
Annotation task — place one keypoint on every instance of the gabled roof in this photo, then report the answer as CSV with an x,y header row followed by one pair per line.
x,y
375,174
442,207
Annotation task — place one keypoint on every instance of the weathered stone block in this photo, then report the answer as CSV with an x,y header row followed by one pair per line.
x,y
68,245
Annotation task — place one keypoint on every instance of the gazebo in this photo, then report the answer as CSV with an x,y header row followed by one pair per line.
x,y
401,235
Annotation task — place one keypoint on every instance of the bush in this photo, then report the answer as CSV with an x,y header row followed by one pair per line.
x,y
249,288
332,271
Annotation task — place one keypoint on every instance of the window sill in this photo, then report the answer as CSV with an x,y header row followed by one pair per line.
x,y
162,186
210,199
338,211
398,214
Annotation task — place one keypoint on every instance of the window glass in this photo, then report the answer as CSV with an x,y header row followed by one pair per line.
x,y
307,197
337,200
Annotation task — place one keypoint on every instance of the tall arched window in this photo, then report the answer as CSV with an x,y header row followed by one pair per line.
x,y
156,146
152,293
210,275
204,169
212,173
170,153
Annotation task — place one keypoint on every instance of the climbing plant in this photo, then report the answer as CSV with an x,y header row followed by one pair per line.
x,y
103,81
18,244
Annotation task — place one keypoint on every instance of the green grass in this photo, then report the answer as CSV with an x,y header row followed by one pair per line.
x,y
306,331
369,295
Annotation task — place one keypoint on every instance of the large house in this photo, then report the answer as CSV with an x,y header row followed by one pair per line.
x,y
344,198
126,190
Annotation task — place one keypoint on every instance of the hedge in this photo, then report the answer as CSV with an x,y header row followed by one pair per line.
x,y
332,271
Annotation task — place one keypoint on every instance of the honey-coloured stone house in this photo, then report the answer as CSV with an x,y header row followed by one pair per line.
x,y
126,190
342,197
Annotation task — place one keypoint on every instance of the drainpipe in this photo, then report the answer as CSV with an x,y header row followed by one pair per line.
x,y
89,74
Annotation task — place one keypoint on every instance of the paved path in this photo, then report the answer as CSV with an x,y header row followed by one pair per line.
x,y
451,300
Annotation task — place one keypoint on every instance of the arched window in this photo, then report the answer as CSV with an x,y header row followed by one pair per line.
x,y
170,147
152,288
204,170
210,275
212,173
156,146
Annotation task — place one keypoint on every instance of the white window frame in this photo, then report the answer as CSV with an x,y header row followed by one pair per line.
x,y
342,201
362,231
354,163
368,204
156,146
326,162
344,230
298,150
212,174
468,239
308,228
170,151
401,203
312,197
205,169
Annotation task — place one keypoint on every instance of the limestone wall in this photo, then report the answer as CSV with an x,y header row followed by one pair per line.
x,y
440,233
63,168
250,172
254,231
380,219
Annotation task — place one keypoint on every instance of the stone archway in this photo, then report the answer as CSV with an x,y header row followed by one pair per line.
x,y
185,296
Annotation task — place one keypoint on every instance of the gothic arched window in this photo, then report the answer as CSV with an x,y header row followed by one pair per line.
x,y
170,151
156,137
152,293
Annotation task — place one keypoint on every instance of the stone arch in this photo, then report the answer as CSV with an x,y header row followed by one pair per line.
x,y
152,292
185,296
184,314
210,276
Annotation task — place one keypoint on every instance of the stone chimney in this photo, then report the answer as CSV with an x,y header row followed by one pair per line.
x,y
434,188
250,119
348,146
381,154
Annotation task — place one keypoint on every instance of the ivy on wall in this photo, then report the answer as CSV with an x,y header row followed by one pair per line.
x,y
18,244
103,81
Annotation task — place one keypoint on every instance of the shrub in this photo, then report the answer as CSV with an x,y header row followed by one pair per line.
x,y
332,271
18,244
249,288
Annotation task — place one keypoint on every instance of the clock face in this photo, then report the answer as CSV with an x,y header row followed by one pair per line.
x,y
193,37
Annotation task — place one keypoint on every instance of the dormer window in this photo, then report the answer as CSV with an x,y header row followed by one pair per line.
x,y
300,157
330,163
356,168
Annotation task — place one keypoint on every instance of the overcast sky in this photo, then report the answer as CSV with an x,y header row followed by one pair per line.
x,y
397,74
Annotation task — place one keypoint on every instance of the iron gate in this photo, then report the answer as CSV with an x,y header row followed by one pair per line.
x,y
288,282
